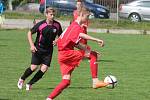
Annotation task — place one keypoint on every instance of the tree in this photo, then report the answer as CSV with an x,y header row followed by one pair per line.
x,y
10,7
13,3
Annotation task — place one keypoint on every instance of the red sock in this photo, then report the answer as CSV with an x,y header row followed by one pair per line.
x,y
59,88
93,64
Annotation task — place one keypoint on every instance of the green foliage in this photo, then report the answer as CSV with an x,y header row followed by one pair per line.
x,y
16,3
19,2
122,24
23,15
124,56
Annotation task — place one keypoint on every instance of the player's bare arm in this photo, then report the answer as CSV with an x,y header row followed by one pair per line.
x,y
32,47
85,36
81,46
85,48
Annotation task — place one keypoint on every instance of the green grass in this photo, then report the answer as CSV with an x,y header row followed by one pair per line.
x,y
23,15
124,56
122,24
31,15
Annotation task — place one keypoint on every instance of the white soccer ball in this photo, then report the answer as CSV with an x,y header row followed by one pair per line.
x,y
112,80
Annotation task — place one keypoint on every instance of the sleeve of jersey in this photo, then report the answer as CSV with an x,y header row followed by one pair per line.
x,y
60,30
74,37
35,28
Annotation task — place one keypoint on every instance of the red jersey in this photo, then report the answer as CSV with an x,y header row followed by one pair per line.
x,y
67,56
70,37
84,26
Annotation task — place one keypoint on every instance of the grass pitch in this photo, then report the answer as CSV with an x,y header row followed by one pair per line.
x,y
125,56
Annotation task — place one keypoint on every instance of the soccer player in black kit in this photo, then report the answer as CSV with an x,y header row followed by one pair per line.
x,y
42,48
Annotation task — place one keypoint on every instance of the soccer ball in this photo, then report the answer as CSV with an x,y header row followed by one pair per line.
x,y
112,80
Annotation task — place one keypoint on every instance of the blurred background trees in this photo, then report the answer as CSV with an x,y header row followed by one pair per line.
x,y
11,4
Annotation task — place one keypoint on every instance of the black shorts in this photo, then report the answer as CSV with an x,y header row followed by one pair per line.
x,y
41,58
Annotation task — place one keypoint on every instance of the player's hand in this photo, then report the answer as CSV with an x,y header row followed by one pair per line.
x,y
101,43
55,42
33,49
98,53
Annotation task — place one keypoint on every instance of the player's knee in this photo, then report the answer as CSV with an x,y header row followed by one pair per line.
x,y
66,77
44,68
66,80
93,54
33,67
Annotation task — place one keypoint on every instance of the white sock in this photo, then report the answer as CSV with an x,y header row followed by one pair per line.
x,y
95,80
48,99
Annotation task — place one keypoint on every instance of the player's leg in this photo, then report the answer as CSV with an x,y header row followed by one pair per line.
x,y
73,57
94,71
25,75
93,64
37,76
45,60
92,56
34,62
66,79
60,87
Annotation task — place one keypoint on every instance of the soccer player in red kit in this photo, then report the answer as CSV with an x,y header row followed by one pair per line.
x,y
92,55
79,5
69,58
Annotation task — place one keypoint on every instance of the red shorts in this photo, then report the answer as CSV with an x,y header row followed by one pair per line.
x,y
69,59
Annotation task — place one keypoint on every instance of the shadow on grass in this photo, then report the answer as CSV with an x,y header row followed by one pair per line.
x,y
79,87
6,39
4,99
105,61
2,45
51,88
86,59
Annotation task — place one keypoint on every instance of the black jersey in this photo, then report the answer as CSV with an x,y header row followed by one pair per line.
x,y
46,34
